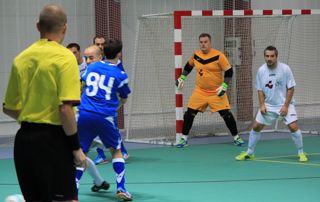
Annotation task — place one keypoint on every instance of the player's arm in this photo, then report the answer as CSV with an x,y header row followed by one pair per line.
x,y
289,96
69,95
122,101
69,125
12,102
284,108
186,70
227,79
123,90
262,105
68,120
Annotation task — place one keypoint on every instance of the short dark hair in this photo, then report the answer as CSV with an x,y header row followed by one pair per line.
x,y
73,45
205,35
97,37
112,47
271,48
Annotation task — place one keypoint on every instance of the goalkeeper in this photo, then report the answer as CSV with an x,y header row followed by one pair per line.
x,y
210,88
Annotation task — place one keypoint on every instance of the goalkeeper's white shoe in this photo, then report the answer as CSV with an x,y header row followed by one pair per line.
x,y
238,142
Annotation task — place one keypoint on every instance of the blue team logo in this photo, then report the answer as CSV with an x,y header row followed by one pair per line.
x,y
269,85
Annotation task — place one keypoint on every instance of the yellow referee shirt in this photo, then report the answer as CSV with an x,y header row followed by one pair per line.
x,y
43,76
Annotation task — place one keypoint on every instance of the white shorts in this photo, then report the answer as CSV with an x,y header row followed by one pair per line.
x,y
273,114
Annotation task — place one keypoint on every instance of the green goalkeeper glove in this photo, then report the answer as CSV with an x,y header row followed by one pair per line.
x,y
180,81
222,89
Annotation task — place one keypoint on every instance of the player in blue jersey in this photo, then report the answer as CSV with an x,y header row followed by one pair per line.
x,y
101,158
105,90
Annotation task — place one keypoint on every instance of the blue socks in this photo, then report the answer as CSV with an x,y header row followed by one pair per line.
x,y
119,169
101,153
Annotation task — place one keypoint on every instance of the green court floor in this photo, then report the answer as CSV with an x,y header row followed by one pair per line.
x,y
206,173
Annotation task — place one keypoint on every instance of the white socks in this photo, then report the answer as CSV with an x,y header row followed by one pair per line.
x,y
94,173
297,139
254,137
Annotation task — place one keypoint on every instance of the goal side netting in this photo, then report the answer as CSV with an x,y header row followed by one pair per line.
x,y
155,115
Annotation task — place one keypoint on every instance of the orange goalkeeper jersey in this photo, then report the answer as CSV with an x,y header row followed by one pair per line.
x,y
209,69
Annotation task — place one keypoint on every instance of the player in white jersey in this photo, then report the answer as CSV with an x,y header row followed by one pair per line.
x,y
275,84
75,49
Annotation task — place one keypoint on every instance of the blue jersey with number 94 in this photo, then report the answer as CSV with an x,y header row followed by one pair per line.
x,y
104,82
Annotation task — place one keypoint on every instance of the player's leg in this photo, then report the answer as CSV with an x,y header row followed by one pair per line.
x,y
118,164
197,103
101,157
254,137
292,122
255,134
222,105
188,119
98,182
88,126
124,151
231,125
64,172
111,138
25,165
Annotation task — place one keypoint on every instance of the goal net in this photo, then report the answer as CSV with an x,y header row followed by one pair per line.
x,y
164,43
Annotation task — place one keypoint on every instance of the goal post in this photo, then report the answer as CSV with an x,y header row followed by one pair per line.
x,y
156,112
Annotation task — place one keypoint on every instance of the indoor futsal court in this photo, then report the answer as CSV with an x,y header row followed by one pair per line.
x,y
204,171
159,36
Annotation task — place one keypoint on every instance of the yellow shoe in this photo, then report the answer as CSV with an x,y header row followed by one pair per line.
x,y
303,157
244,156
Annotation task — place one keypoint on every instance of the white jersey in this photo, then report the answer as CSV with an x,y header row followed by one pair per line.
x,y
82,66
275,83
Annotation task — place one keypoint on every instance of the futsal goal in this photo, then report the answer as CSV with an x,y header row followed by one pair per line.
x,y
164,43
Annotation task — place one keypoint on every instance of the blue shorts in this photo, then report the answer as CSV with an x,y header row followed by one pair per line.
x,y
91,125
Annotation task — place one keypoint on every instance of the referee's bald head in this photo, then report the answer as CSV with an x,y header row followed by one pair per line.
x,y
52,19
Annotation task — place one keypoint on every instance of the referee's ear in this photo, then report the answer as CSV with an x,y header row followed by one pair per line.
x,y
38,27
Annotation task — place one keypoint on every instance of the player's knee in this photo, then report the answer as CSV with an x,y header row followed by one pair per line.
x,y
293,127
257,127
190,114
225,114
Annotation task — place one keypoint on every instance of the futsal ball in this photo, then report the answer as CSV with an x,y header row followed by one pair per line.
x,y
15,198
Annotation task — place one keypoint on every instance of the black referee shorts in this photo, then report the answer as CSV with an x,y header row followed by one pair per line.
x,y
44,163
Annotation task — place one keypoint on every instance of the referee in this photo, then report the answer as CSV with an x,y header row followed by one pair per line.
x,y
43,87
